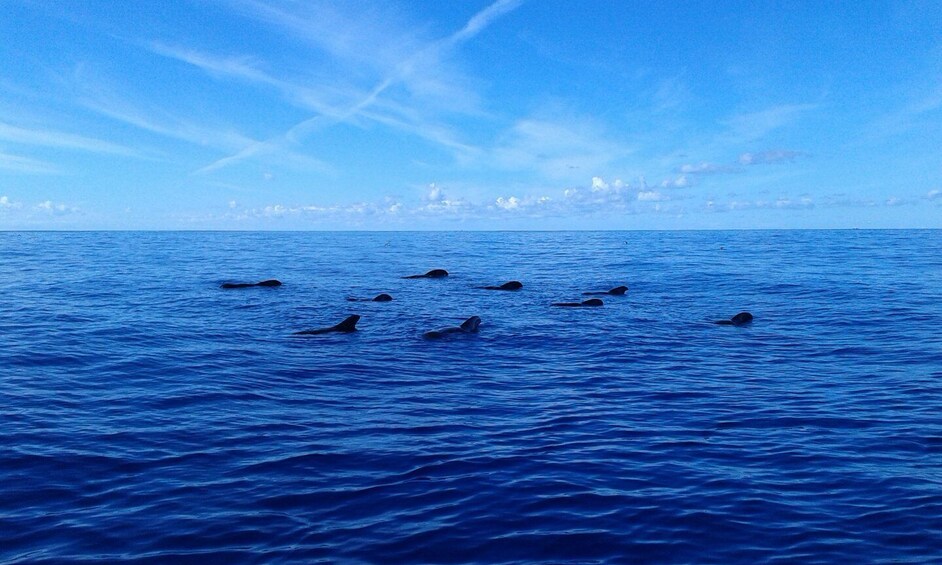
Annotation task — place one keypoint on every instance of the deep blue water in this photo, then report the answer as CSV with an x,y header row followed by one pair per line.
x,y
149,416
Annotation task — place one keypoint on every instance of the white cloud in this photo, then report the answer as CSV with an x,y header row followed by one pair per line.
x,y
704,168
222,138
7,204
484,18
768,157
434,194
804,202
370,43
510,203
26,165
682,181
781,203
756,125
52,138
923,101
556,147
934,194
596,198
54,208
651,196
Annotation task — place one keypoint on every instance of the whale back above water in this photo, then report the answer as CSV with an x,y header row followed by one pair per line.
x,y
378,298
738,320
617,291
347,326
269,282
589,302
469,326
510,285
433,274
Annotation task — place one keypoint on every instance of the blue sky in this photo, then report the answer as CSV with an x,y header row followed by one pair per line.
x,y
514,114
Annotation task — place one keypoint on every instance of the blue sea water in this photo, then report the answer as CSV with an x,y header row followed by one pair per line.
x,y
148,416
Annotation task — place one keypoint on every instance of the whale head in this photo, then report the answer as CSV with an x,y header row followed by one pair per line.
x,y
741,318
471,324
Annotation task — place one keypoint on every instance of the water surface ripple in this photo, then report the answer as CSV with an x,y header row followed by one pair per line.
x,y
148,416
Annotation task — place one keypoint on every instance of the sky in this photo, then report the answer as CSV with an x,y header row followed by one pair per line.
x,y
470,115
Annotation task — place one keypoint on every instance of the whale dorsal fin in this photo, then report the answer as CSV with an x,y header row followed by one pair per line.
x,y
348,325
471,324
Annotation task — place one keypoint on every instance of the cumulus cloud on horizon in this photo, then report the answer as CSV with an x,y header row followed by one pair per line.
x,y
6,203
56,208
598,197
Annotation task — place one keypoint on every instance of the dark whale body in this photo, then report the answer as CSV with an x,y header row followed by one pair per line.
x,y
738,320
346,326
470,326
617,291
511,285
433,274
589,302
270,282
378,298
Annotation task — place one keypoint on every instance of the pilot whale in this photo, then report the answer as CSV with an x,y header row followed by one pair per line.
x,y
378,298
470,326
589,302
433,274
737,320
270,282
617,291
511,285
346,326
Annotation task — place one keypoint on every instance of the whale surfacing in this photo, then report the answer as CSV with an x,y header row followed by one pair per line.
x,y
740,319
617,291
589,302
378,298
469,326
433,274
270,282
347,326
510,285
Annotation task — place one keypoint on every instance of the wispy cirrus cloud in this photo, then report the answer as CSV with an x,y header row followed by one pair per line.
x,y
558,148
705,168
327,100
20,164
394,56
59,139
768,157
105,102
911,114
752,126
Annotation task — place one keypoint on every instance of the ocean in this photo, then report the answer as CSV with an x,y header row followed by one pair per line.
x,y
149,416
